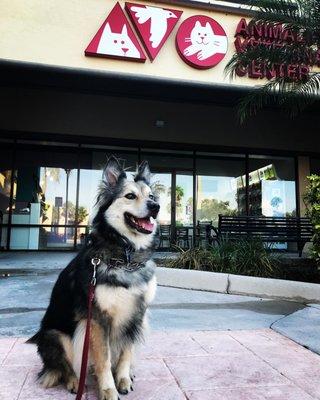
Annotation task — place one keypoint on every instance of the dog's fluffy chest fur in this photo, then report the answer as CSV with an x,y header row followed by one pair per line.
x,y
121,304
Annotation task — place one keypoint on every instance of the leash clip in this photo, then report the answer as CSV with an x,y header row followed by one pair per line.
x,y
95,261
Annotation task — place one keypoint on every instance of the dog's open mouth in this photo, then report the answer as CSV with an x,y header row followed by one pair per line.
x,y
143,225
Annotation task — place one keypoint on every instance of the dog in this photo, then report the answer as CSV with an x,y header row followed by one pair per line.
x,y
122,238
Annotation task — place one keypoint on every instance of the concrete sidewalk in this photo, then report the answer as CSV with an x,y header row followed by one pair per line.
x,y
237,365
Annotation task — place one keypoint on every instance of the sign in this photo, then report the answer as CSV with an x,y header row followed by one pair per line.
x,y
116,39
253,34
153,25
201,42
58,201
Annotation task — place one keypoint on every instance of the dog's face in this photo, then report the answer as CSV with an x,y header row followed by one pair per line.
x,y
129,207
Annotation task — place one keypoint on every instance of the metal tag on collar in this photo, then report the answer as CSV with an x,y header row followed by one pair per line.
x,y
95,261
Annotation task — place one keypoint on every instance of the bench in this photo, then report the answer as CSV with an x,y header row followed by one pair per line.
x,y
268,229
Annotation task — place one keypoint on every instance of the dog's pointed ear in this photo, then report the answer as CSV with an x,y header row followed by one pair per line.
x,y
143,173
113,172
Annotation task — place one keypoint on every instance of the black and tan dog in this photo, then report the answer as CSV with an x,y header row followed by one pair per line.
x,y
123,231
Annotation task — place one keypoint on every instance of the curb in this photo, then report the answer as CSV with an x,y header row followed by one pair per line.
x,y
191,279
239,284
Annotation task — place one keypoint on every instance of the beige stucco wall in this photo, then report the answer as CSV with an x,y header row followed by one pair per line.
x,y
56,32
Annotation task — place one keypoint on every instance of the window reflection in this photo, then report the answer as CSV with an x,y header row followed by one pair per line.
x,y
184,199
45,194
5,189
46,183
220,187
272,189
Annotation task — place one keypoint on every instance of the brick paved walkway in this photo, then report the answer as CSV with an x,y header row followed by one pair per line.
x,y
202,365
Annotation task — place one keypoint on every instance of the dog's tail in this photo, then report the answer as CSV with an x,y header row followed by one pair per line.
x,y
34,339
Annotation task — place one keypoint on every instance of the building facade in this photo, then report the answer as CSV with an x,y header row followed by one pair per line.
x,y
70,97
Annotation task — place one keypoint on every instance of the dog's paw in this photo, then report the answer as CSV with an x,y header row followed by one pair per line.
x,y
109,394
124,385
50,378
73,384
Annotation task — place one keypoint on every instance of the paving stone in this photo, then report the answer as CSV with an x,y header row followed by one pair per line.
x,y
23,354
33,391
239,365
6,345
208,372
256,393
148,369
308,381
159,389
11,381
218,342
170,345
255,339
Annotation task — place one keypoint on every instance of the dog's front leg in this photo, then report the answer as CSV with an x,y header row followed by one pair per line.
x,y
123,379
101,356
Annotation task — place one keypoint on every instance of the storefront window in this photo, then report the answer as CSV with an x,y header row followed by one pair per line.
x,y
45,194
5,189
172,180
220,186
54,190
272,189
184,199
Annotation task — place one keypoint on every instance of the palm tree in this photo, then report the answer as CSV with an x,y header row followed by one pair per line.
x,y
287,59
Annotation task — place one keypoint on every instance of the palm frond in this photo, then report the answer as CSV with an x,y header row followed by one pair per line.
x,y
293,96
282,11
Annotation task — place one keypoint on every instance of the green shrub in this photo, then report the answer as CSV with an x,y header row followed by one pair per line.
x,y
312,201
194,258
242,257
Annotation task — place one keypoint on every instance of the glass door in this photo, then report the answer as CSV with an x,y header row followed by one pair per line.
x,y
184,208
161,185
175,191
184,199
44,198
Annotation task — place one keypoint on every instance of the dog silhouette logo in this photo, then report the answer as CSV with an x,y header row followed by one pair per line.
x,y
201,42
153,24
116,39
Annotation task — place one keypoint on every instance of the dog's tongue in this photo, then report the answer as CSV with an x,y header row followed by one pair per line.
x,y
146,224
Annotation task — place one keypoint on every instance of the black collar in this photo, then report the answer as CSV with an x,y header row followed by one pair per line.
x,y
97,245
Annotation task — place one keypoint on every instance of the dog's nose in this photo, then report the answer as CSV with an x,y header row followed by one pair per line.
x,y
153,207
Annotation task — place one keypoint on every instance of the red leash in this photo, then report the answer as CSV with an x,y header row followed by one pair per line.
x,y
85,352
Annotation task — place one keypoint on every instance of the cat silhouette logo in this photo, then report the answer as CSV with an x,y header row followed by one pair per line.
x,y
153,24
116,39
201,42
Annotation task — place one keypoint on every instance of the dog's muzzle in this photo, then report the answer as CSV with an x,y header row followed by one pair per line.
x,y
154,208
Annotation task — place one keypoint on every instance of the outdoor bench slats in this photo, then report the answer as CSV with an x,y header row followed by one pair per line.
x,y
268,229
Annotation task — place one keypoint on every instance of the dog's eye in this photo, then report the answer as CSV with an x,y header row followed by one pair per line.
x,y
130,196
151,196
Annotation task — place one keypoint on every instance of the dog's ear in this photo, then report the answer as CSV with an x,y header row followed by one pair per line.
x,y
143,173
113,172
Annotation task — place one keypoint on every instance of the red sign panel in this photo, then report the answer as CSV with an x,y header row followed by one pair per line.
x,y
116,39
201,42
154,25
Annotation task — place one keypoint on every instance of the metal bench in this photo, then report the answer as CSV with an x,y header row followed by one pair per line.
x,y
268,229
